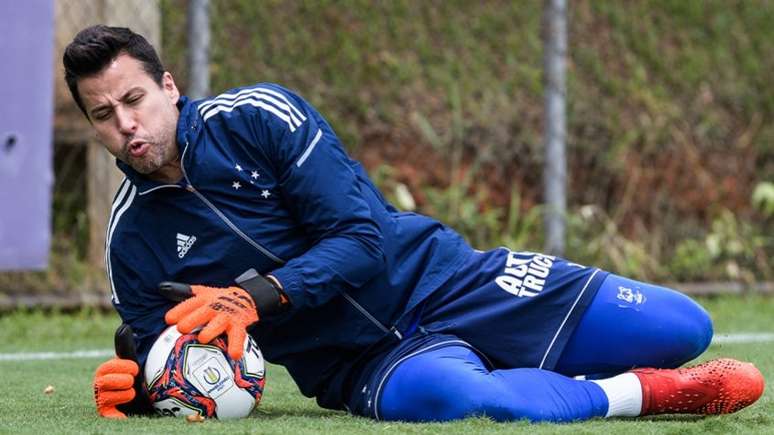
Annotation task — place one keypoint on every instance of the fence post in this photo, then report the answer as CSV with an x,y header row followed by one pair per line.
x,y
199,48
555,170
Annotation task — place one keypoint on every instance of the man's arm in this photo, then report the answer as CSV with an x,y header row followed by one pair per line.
x,y
320,188
322,191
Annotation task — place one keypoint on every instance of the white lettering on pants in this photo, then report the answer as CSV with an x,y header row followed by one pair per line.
x,y
525,273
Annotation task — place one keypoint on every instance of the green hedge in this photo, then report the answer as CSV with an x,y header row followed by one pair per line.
x,y
670,121
670,114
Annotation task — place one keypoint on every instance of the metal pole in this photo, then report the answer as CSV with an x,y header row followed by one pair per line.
x,y
198,48
555,171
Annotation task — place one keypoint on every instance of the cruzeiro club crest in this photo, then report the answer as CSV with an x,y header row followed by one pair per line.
x,y
630,296
211,375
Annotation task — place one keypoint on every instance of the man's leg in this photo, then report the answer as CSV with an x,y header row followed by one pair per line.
x,y
633,324
452,383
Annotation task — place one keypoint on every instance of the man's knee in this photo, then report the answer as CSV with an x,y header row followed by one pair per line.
x,y
432,397
482,395
675,326
446,384
701,332
695,333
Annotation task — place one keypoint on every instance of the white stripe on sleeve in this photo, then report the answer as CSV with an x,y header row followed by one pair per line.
x,y
125,184
264,98
285,107
284,98
309,148
118,215
253,102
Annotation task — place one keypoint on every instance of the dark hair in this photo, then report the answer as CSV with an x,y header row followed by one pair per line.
x,y
93,48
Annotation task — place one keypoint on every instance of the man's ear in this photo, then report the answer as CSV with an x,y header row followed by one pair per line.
x,y
170,88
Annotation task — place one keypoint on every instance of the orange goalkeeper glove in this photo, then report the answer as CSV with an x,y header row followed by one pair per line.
x,y
229,310
114,385
220,310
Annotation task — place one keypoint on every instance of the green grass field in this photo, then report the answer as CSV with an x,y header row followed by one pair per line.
x,y
25,408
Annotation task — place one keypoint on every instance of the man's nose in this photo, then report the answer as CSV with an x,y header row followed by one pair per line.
x,y
127,123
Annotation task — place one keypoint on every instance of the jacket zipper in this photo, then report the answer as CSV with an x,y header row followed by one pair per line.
x,y
236,229
231,225
370,317
265,252
189,187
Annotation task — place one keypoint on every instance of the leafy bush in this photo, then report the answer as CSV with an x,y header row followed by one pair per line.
x,y
670,115
670,120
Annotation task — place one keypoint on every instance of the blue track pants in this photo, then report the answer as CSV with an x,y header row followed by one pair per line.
x,y
628,324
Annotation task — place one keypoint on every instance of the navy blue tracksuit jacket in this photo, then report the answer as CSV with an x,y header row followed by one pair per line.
x,y
268,186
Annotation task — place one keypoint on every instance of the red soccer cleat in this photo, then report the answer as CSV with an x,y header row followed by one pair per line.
x,y
720,386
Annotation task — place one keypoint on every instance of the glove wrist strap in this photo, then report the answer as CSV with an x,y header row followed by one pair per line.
x,y
266,295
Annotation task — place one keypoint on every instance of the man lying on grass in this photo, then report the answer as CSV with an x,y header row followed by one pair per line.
x,y
386,314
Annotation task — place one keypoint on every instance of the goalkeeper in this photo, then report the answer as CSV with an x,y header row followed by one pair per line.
x,y
386,314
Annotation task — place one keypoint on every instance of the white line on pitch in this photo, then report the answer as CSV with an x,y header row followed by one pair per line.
x,y
37,356
747,337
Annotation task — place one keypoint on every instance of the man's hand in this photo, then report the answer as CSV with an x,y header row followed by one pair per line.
x,y
114,385
118,386
230,310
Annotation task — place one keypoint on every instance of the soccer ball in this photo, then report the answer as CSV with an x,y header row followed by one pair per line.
x,y
185,377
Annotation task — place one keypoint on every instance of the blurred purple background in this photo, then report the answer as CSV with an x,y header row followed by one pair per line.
x,y
26,117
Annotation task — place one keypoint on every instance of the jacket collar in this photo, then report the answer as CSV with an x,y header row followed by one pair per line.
x,y
186,123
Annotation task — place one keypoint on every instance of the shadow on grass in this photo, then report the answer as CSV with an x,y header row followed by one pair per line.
x,y
688,418
276,413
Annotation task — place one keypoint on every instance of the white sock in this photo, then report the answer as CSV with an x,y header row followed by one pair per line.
x,y
624,395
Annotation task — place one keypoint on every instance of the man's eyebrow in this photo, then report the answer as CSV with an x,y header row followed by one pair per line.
x,y
131,90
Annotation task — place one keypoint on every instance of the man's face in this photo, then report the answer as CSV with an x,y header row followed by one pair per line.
x,y
135,118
